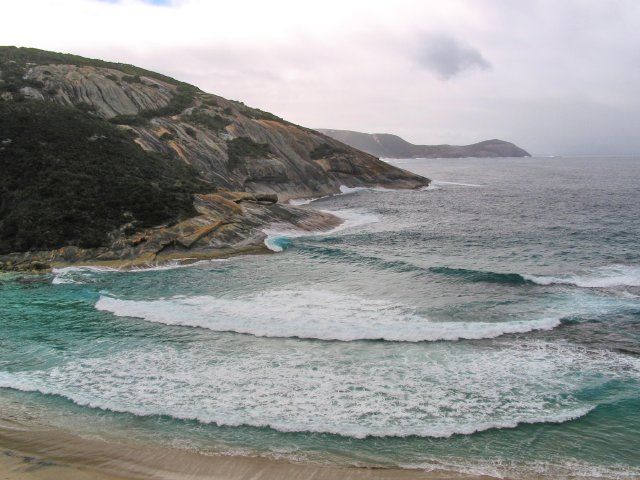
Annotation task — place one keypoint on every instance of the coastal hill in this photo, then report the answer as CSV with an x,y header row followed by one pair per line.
x,y
110,163
386,145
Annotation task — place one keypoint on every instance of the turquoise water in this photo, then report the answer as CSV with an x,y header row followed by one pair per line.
x,y
487,324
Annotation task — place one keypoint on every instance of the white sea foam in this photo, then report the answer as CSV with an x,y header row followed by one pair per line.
x,y
82,274
344,190
296,202
603,277
312,314
368,389
442,182
351,218
502,468
76,274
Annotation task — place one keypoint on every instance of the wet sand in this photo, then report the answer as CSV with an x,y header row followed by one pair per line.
x,y
48,454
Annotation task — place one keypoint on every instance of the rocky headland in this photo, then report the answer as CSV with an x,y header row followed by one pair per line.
x,y
386,145
108,163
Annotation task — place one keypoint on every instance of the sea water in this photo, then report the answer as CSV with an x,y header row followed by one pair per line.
x,y
489,323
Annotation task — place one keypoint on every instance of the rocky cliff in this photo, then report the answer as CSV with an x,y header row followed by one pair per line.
x,y
113,136
391,146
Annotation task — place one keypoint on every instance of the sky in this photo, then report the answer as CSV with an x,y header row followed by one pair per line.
x,y
556,77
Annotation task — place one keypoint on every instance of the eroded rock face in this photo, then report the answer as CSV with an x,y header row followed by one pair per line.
x,y
199,135
109,91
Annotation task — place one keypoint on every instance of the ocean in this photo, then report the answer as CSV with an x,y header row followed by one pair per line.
x,y
488,324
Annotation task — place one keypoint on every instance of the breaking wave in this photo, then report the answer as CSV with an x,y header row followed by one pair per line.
x,y
277,240
312,314
603,277
322,387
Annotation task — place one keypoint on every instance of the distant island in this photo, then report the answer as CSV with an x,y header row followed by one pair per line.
x,y
108,163
385,145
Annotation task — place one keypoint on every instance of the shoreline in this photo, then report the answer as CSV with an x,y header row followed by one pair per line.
x,y
222,229
46,452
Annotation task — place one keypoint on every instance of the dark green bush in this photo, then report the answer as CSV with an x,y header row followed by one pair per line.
x,y
69,178
85,107
131,79
135,120
211,122
241,148
325,150
256,113
181,100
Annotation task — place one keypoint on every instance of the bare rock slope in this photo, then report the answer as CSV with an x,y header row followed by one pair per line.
x,y
296,161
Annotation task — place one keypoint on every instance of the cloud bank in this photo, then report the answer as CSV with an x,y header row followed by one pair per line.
x,y
555,78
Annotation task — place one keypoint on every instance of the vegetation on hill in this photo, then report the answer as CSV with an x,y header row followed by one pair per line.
x,y
243,147
325,150
69,178
21,57
257,114
181,100
16,61
212,122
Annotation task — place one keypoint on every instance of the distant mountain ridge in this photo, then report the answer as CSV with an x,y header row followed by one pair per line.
x,y
386,145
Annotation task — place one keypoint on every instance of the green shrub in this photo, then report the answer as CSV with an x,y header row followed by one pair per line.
x,y
131,79
74,178
325,150
241,148
211,122
135,120
85,107
182,99
256,113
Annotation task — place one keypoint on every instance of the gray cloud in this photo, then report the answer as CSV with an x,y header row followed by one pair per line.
x,y
569,85
448,57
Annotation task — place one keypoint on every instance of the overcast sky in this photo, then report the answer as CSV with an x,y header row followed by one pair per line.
x,y
553,76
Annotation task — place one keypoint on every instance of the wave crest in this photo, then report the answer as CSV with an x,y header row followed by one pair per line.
x,y
312,314
358,392
603,277
482,276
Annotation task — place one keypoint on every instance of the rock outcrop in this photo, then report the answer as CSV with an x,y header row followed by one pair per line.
x,y
391,146
228,223
249,160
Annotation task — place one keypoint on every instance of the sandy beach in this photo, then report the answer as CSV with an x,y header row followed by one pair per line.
x,y
42,453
